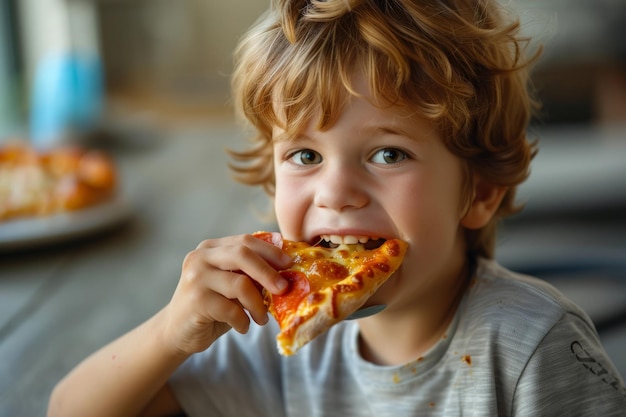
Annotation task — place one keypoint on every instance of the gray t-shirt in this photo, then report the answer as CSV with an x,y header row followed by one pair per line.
x,y
516,347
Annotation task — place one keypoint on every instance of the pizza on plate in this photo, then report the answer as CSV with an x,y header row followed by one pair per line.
x,y
327,283
35,183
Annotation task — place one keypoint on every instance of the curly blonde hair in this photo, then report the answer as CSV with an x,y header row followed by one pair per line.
x,y
459,63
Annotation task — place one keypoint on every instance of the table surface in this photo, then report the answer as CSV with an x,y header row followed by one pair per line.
x,y
62,302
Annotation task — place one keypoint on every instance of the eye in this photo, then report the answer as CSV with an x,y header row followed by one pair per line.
x,y
305,157
389,156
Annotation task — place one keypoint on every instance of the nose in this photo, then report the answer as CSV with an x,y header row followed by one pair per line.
x,y
341,188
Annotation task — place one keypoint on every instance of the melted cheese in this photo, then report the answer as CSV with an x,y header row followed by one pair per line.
x,y
327,285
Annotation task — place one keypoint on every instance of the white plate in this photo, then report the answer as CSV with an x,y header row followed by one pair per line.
x,y
35,232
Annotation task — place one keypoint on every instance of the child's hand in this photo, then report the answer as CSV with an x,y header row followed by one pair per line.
x,y
219,282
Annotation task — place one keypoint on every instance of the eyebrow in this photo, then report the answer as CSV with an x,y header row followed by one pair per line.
x,y
394,130
423,130
369,128
283,136
286,136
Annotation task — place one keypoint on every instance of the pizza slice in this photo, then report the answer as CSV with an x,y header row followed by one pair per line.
x,y
36,182
327,284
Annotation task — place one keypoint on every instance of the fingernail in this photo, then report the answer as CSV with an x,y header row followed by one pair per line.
x,y
282,284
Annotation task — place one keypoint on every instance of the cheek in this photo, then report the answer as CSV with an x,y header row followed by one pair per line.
x,y
431,209
289,207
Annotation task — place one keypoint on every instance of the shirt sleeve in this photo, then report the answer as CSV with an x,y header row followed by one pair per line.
x,y
570,374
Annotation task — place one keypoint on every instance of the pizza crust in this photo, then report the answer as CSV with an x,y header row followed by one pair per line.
x,y
311,320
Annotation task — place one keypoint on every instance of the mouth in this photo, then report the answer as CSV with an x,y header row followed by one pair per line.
x,y
334,241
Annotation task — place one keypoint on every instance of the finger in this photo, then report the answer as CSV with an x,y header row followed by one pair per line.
x,y
268,251
258,314
224,310
250,261
241,288
200,276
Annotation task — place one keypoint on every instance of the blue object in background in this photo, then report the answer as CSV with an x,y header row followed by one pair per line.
x,y
67,97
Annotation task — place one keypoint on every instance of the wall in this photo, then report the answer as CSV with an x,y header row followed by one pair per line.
x,y
179,48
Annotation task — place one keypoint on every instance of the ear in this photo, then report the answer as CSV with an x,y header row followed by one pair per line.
x,y
486,200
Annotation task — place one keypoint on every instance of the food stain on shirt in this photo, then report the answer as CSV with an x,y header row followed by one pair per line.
x,y
467,359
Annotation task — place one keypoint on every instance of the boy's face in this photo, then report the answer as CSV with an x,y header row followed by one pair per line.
x,y
377,173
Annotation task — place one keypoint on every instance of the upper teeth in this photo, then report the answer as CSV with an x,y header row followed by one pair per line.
x,y
347,239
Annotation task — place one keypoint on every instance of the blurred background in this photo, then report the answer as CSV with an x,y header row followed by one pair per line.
x,y
174,57
148,81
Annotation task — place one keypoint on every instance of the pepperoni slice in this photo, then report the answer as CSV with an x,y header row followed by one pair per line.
x,y
288,301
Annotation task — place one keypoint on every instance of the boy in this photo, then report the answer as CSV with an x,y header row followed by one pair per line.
x,y
393,119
